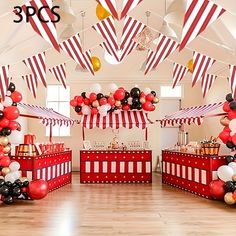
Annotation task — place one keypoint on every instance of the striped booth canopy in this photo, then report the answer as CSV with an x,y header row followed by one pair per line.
x,y
125,119
190,115
47,115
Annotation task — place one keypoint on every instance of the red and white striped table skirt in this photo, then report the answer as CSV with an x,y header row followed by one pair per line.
x,y
55,168
190,172
110,166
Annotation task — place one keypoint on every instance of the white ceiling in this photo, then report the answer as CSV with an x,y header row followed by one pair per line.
x,y
19,41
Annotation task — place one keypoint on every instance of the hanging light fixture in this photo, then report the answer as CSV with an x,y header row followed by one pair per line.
x,y
67,14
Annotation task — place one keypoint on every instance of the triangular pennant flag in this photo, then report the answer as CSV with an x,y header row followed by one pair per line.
x,y
179,71
165,47
38,67
110,6
201,64
72,47
4,80
232,78
59,72
132,28
128,5
207,82
199,15
31,82
44,26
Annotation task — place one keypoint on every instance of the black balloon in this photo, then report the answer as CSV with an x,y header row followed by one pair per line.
x,y
20,184
8,200
16,191
232,105
135,92
78,109
233,188
229,97
26,183
99,96
124,101
153,93
229,159
228,186
6,131
8,184
1,114
14,104
2,182
229,144
134,105
83,94
127,95
135,100
11,87
4,190
139,106
17,181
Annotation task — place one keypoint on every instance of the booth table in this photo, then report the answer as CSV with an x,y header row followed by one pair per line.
x,y
190,172
55,168
115,166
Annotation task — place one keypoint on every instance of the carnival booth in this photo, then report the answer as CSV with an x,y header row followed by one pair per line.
x,y
47,161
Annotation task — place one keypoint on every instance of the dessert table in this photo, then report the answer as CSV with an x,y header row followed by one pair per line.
x,y
115,166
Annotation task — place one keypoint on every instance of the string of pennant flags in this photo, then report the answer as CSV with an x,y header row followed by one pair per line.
x,y
199,15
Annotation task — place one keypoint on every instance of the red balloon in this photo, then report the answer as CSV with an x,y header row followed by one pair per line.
x,y
80,99
4,122
38,189
73,103
5,161
16,96
149,97
122,88
126,107
234,139
216,188
227,129
103,101
147,106
119,94
86,101
111,101
94,111
1,155
93,97
224,136
226,107
11,112
232,114
153,108
13,125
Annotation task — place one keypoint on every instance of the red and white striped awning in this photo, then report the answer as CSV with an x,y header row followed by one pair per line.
x,y
189,115
126,119
47,115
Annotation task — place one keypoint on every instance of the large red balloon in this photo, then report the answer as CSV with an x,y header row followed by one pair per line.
x,y
227,129
232,114
38,189
94,111
16,96
93,97
103,101
80,100
119,94
224,136
4,122
147,106
216,188
13,125
73,102
5,161
86,101
11,112
111,101
149,97
226,107
126,107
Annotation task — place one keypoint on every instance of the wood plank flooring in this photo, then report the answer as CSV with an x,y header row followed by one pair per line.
x,y
118,209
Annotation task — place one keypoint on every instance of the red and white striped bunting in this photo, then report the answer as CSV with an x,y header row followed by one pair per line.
x,y
110,6
59,72
47,30
31,83
4,80
190,115
108,49
179,71
132,28
199,15
72,47
201,64
38,67
165,47
126,119
207,82
232,78
128,6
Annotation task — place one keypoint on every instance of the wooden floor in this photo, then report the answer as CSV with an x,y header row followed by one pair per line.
x,y
118,209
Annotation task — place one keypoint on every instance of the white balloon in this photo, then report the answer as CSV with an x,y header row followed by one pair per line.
x,y
130,100
232,125
86,110
113,87
96,88
103,109
225,173
1,107
102,114
147,91
108,106
16,174
14,166
8,93
7,102
10,177
233,166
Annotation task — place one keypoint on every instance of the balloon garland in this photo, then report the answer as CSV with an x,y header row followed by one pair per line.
x,y
12,185
95,102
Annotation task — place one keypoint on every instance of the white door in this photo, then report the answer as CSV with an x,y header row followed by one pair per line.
x,y
168,135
